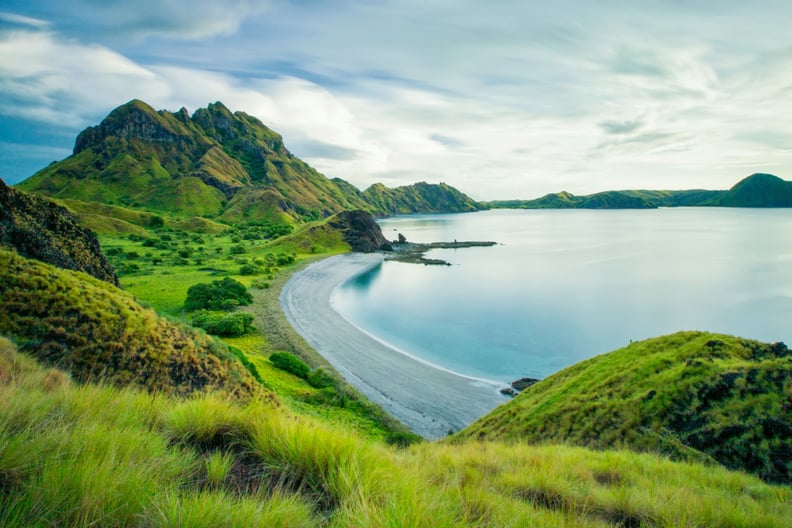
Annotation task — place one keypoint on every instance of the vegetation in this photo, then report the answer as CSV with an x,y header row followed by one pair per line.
x,y
690,395
225,168
224,294
97,332
290,363
757,190
224,325
39,229
87,455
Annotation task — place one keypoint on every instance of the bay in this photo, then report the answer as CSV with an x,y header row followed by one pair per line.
x,y
565,285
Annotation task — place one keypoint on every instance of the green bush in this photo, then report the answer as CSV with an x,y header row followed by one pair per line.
x,y
249,269
320,379
225,325
219,295
290,363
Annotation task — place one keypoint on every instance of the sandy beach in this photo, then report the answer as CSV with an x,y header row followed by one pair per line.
x,y
429,400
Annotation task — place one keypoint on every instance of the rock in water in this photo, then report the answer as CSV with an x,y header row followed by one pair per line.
x,y
39,229
360,231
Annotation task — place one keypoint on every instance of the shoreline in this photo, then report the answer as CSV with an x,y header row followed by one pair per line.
x,y
427,398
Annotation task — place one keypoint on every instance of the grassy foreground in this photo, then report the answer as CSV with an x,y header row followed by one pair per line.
x,y
91,455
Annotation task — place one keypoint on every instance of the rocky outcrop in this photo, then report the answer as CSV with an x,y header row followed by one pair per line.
x,y
39,229
360,231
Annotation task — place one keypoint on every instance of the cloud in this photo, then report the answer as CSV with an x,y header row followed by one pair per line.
x,y
503,99
11,18
620,127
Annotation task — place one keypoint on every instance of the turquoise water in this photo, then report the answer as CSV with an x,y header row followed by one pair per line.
x,y
565,285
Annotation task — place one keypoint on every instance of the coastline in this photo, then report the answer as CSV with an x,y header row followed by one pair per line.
x,y
428,399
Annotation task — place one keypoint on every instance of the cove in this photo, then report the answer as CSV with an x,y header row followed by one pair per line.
x,y
565,285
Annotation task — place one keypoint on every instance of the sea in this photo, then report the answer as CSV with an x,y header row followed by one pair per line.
x,y
561,286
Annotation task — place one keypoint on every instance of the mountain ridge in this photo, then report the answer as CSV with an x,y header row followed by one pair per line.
x,y
217,164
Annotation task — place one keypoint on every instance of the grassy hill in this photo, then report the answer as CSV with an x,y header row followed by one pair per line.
x,y
759,190
86,455
40,229
224,166
690,395
97,332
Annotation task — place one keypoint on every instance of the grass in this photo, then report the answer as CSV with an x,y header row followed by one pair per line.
x,y
97,332
690,395
89,455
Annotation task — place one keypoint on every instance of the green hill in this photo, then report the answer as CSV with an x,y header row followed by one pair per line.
x,y
421,197
215,164
691,395
96,332
86,455
39,229
566,200
759,190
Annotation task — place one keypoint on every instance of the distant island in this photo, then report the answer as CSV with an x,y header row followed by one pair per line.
x,y
757,190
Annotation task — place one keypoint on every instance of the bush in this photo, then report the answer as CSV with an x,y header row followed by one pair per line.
x,y
320,379
225,325
249,269
219,295
290,363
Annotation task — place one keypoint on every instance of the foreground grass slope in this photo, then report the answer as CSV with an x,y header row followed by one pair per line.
x,y
96,331
88,455
690,395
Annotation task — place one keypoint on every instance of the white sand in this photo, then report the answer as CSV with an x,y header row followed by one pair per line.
x,y
429,400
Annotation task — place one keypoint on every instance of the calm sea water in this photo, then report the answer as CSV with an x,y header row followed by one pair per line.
x,y
565,285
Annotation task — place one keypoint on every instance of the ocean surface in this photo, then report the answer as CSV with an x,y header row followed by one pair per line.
x,y
565,285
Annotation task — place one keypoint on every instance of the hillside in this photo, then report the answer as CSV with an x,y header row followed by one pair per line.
x,y
418,198
691,395
39,229
228,167
96,332
759,190
90,455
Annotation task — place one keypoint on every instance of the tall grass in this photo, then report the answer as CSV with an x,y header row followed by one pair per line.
x,y
81,456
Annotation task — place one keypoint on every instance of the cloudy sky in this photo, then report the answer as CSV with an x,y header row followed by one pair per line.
x,y
503,99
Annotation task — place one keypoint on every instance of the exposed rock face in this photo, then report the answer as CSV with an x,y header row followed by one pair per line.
x,y
360,231
37,228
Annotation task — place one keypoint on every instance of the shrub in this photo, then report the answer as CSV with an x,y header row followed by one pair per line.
x,y
225,325
290,363
249,269
320,379
219,295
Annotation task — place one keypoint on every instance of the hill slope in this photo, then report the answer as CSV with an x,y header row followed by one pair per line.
x,y
99,456
39,229
96,332
759,190
684,394
215,164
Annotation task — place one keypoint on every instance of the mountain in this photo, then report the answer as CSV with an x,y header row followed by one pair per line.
x,y
691,395
759,190
215,164
566,200
37,228
420,197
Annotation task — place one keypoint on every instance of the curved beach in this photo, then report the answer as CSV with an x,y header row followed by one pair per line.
x,y
429,400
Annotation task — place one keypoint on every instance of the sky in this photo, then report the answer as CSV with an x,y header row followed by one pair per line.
x,y
502,99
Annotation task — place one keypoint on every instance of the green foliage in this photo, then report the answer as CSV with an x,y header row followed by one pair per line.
x,y
320,379
249,365
223,324
690,395
224,294
100,456
96,332
290,363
